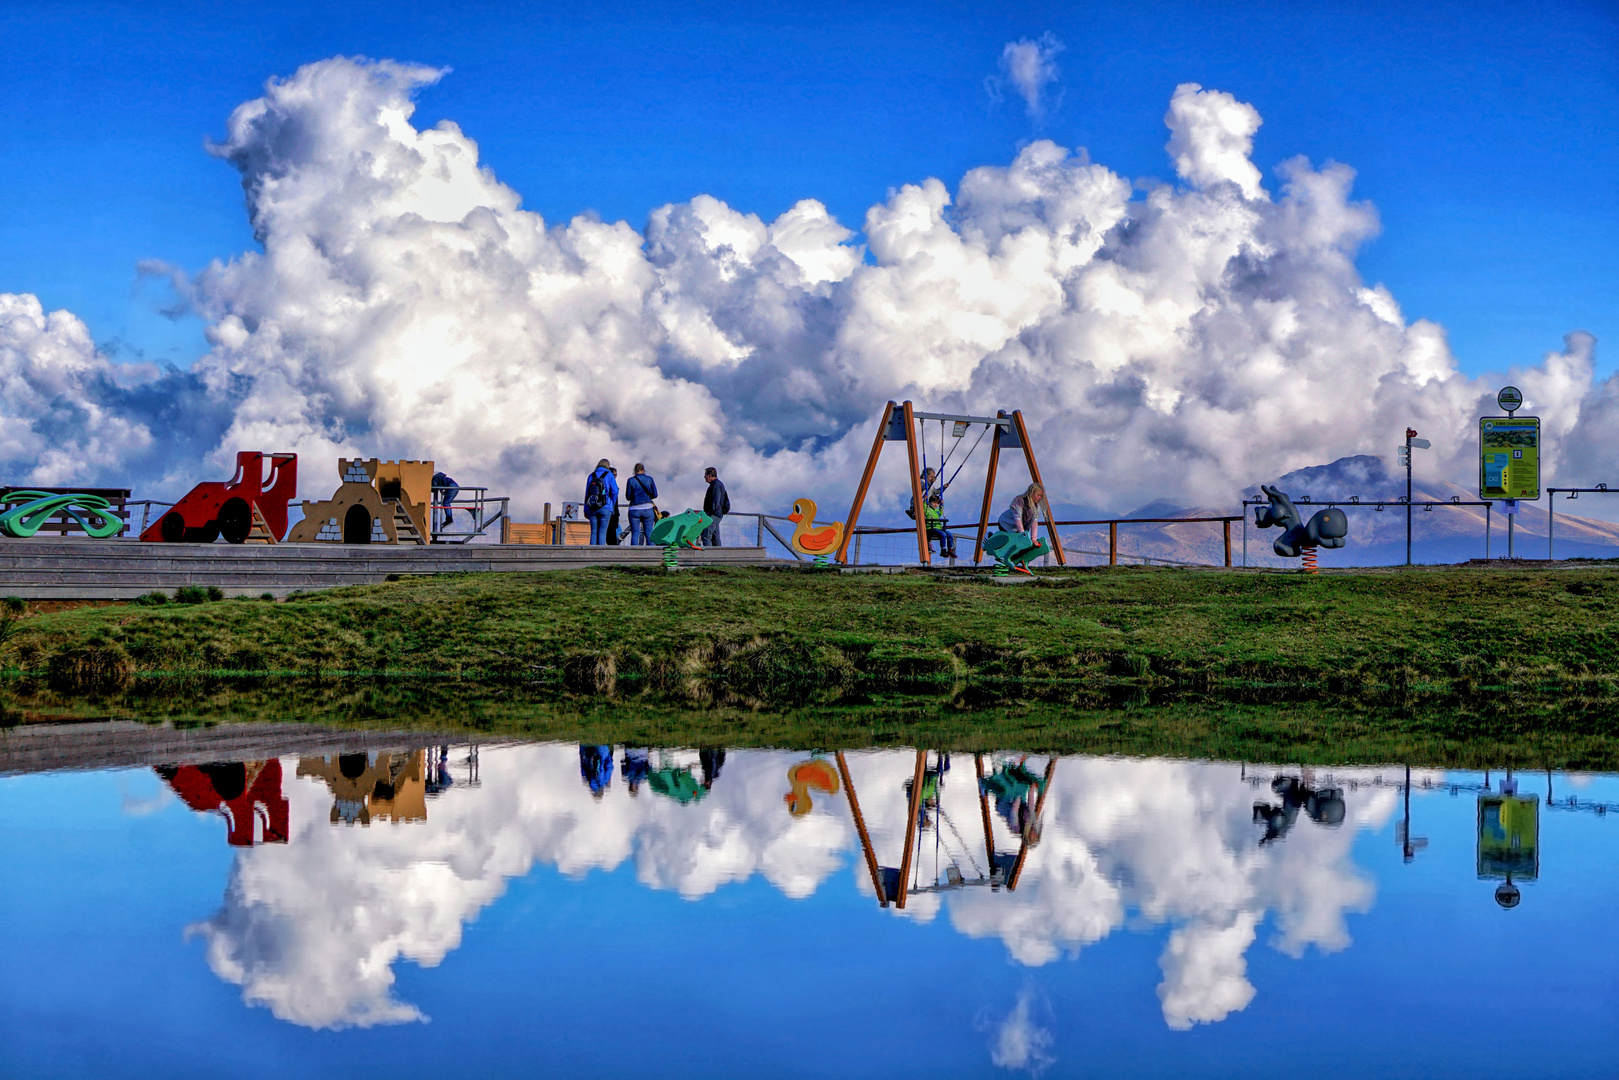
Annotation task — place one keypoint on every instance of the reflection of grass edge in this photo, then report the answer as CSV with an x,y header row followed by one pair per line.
x,y
1267,726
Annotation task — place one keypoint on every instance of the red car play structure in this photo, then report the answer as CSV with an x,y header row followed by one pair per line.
x,y
213,509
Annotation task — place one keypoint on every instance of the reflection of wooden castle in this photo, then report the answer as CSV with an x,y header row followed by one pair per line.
x,y
383,785
378,502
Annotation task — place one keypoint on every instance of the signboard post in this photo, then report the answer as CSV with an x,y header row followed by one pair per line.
x,y
1404,455
1509,462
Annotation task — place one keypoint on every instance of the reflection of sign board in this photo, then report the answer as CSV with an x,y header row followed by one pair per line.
x,y
1509,836
1509,457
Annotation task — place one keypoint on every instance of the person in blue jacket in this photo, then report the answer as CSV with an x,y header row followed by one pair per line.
x,y
601,496
642,491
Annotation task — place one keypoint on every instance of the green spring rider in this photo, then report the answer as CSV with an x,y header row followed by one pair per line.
x,y
1014,551
677,531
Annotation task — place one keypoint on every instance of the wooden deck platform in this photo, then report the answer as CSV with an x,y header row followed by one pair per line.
x,y
53,569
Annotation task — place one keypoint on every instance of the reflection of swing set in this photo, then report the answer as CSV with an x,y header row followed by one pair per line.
x,y
901,422
894,884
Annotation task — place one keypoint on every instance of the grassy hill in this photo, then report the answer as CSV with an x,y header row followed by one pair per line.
x,y
782,634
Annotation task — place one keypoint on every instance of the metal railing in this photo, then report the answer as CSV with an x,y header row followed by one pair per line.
x,y
1551,507
477,508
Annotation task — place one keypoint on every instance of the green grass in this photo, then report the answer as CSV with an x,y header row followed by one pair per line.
x,y
789,631
763,652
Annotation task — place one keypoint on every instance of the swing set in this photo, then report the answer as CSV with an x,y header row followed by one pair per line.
x,y
901,422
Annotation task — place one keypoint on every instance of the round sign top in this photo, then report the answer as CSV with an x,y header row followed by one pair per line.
x,y
1509,398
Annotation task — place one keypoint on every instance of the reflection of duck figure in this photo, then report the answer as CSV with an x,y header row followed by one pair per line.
x,y
814,773
809,538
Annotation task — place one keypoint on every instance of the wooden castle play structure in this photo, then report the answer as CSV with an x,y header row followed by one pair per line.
x,y
377,502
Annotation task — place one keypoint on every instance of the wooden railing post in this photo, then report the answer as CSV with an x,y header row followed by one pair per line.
x,y
1227,524
1113,543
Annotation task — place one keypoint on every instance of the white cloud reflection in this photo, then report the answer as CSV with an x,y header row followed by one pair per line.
x,y
312,929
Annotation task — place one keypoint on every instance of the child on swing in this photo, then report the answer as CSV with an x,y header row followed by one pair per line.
x,y
936,523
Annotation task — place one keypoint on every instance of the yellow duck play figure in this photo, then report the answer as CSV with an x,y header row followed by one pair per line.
x,y
809,538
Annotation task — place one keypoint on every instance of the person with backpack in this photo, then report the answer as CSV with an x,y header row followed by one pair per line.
x,y
641,490
601,495
716,504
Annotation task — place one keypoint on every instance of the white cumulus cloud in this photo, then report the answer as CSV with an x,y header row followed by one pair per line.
x,y
1030,66
1183,343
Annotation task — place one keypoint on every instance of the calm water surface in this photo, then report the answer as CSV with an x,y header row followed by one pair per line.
x,y
604,911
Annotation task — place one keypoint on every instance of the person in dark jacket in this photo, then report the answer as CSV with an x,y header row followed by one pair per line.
x,y
716,504
601,495
641,490
613,534
445,489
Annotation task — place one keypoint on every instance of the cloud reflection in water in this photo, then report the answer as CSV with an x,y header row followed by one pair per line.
x,y
311,929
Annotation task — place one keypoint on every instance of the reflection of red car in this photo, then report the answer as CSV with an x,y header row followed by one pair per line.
x,y
213,509
248,793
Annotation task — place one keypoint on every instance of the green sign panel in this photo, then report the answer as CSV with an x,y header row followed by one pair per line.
x,y
1509,457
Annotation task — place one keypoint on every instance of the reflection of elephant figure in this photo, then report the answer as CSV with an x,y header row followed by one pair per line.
x,y
1324,806
1326,529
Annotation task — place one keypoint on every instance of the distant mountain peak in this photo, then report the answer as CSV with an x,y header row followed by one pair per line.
x,y
1361,474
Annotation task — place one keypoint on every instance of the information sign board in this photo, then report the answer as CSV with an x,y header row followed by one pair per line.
x,y
1509,457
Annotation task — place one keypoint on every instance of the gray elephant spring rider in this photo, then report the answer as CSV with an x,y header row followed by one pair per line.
x,y
1326,529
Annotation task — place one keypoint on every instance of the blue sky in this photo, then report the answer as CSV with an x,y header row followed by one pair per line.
x,y
1482,133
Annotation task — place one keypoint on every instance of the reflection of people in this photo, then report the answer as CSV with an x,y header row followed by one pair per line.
x,y
637,764
1324,806
438,771
1015,789
596,768
711,762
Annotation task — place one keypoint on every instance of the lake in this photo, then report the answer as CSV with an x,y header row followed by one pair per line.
x,y
543,909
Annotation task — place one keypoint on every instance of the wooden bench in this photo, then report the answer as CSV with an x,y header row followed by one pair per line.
x,y
555,531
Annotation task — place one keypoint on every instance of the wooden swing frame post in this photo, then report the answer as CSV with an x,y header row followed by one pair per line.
x,y
983,807
919,510
865,482
989,490
860,828
1034,473
1039,811
910,828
